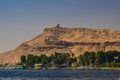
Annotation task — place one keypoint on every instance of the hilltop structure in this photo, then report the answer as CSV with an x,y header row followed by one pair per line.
x,y
65,40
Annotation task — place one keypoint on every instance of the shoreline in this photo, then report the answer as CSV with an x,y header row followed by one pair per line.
x,y
57,68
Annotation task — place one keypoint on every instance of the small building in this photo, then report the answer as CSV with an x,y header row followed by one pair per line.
x,y
74,65
38,66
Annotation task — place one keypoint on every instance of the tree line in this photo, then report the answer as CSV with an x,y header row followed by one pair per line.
x,y
92,59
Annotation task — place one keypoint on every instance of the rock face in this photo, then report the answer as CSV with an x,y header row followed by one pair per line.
x,y
58,39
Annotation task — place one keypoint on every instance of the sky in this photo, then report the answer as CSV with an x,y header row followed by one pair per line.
x,y
22,20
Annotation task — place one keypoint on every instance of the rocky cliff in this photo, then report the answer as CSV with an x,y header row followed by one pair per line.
x,y
59,39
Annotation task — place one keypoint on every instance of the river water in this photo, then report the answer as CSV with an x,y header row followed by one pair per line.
x,y
59,75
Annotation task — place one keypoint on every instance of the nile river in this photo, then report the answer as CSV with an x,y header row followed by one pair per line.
x,y
59,75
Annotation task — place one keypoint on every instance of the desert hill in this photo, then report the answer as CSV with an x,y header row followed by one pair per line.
x,y
60,39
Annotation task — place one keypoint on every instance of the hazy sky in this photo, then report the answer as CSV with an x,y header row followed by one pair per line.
x,y
21,20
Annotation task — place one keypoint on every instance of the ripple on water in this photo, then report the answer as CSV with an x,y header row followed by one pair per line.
x,y
59,75
59,79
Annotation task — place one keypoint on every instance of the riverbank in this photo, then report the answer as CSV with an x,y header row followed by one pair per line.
x,y
62,68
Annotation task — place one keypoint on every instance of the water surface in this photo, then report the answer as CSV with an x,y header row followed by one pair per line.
x,y
59,75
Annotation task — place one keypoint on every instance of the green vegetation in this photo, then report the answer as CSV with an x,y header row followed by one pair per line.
x,y
23,59
100,59
90,59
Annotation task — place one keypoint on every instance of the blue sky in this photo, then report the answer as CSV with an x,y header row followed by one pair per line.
x,y
21,20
